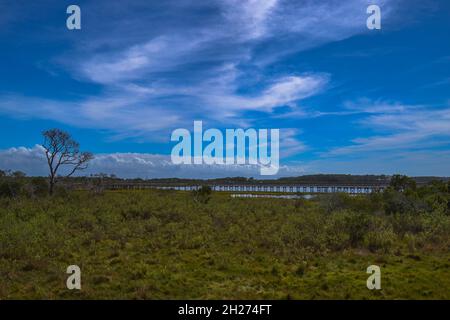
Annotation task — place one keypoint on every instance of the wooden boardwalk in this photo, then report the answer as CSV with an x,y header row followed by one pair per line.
x,y
309,189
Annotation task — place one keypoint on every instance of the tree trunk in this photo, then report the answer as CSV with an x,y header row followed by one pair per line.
x,y
51,185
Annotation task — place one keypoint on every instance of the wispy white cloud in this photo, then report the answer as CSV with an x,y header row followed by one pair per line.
x,y
424,162
290,143
122,115
283,91
399,127
251,17
163,53
134,110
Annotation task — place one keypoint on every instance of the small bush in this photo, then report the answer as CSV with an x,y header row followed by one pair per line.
x,y
202,195
356,225
403,203
334,202
381,236
10,189
38,187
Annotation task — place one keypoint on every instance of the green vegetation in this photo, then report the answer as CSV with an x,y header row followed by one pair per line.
x,y
156,244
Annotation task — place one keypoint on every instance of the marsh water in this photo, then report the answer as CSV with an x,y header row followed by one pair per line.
x,y
284,196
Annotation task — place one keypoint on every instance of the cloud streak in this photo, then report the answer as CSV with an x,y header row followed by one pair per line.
x,y
401,127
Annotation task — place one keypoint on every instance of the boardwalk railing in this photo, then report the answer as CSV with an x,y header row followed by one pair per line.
x,y
258,188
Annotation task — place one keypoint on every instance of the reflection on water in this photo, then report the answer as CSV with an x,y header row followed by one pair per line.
x,y
284,196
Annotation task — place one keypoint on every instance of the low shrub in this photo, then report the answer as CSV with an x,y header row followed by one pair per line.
x,y
380,236
10,189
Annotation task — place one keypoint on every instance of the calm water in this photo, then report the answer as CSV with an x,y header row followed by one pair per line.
x,y
284,196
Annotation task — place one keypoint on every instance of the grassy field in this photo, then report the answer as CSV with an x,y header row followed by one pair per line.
x,y
166,245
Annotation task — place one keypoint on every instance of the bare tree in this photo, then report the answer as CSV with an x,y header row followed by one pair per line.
x,y
62,150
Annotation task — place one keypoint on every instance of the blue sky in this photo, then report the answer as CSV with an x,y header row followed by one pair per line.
x,y
346,99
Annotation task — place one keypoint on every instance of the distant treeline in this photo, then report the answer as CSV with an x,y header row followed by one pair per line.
x,y
103,180
323,179
316,179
